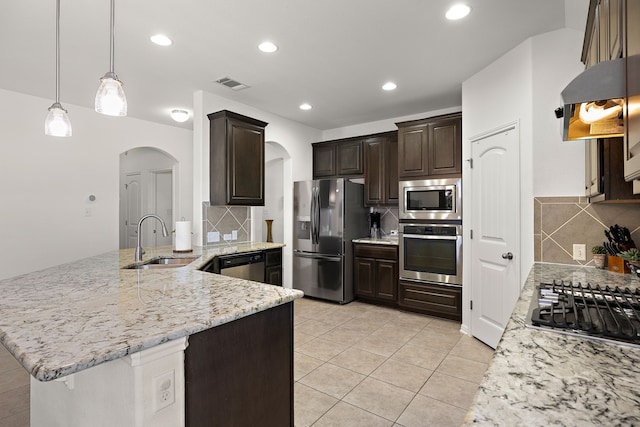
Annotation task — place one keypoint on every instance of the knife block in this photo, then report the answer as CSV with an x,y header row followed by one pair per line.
x,y
617,265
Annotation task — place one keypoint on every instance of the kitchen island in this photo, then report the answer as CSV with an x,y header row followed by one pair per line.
x,y
70,322
543,378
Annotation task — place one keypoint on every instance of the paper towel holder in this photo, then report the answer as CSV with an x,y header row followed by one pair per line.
x,y
189,248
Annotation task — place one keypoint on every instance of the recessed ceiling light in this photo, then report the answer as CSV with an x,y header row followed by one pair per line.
x,y
180,116
267,47
161,40
305,106
389,86
457,11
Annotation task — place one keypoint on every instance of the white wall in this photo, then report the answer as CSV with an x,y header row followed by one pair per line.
x,y
380,125
524,85
558,167
45,181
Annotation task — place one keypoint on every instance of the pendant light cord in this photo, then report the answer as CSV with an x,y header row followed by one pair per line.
x,y
111,49
57,51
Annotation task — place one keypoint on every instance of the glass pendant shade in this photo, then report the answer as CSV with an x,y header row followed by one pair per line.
x,y
57,122
110,98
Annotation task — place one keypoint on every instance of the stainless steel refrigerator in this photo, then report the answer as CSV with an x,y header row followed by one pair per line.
x,y
328,214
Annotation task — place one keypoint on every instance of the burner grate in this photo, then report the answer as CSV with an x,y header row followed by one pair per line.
x,y
605,312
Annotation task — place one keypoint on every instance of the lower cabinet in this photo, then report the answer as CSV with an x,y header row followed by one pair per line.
x,y
437,300
241,373
376,272
273,266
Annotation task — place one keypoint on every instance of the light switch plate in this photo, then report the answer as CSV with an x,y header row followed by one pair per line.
x,y
579,252
234,235
213,236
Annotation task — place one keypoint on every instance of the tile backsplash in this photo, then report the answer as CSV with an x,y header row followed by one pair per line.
x,y
224,220
559,222
388,219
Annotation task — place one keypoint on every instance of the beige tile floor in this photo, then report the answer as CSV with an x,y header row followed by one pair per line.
x,y
354,365
364,365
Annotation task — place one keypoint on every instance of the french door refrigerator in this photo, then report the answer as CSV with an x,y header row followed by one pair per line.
x,y
328,214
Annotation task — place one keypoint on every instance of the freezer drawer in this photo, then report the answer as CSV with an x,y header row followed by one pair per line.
x,y
321,277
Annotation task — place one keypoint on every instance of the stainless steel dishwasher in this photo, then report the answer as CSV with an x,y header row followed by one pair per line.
x,y
246,265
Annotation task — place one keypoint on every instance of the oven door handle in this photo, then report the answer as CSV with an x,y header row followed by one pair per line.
x,y
419,236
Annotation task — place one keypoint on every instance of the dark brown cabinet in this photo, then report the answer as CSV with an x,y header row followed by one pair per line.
x,y
436,300
605,179
273,266
324,160
338,158
236,159
430,147
381,170
241,373
376,272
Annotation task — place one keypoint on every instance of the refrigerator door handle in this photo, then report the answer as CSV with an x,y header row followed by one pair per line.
x,y
316,215
312,210
315,256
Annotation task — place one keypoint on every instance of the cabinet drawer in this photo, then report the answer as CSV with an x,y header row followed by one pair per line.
x,y
437,300
376,251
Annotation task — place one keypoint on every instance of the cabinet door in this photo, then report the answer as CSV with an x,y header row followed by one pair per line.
x,y
349,158
593,170
386,280
364,277
615,29
273,276
324,160
245,157
391,172
374,182
632,104
445,145
412,151
436,300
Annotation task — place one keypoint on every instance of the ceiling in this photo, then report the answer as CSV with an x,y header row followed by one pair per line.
x,y
333,54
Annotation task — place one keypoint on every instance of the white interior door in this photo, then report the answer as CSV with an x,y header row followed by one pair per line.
x,y
495,246
163,194
133,207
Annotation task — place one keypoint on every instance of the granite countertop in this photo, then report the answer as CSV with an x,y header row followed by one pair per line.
x,y
382,241
542,378
74,316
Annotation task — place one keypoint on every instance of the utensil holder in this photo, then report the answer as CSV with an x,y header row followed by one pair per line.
x,y
617,265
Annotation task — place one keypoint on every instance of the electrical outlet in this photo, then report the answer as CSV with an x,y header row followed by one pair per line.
x,y
234,235
164,388
579,252
227,236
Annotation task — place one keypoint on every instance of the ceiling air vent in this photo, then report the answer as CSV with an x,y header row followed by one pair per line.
x,y
230,83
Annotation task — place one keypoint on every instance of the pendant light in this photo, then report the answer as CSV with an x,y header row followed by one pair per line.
x,y
110,98
57,123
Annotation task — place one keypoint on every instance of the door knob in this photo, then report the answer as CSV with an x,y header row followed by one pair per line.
x,y
507,255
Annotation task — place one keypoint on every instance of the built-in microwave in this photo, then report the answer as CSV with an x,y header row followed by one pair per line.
x,y
431,199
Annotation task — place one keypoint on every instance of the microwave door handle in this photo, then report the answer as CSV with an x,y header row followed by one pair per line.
x,y
418,236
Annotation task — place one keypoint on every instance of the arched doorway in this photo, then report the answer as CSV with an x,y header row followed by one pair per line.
x,y
147,185
278,203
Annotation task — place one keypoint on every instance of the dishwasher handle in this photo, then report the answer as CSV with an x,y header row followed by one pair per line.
x,y
228,261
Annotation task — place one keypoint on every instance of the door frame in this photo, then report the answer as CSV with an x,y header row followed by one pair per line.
x,y
467,216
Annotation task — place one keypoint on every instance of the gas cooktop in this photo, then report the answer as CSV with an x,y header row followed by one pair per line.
x,y
594,312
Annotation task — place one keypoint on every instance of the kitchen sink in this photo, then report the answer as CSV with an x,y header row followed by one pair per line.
x,y
162,262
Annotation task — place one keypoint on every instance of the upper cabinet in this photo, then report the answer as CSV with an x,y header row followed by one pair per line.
x,y
604,32
632,99
430,147
381,170
341,158
236,162
604,180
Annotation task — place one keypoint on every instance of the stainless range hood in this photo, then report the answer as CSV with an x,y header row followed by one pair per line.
x,y
594,102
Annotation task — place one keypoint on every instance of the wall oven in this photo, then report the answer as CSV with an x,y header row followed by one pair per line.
x,y
431,199
431,252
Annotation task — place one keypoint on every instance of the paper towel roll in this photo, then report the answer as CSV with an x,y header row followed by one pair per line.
x,y
183,236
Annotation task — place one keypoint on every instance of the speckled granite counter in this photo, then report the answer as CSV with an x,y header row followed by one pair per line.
x,y
541,378
382,241
74,316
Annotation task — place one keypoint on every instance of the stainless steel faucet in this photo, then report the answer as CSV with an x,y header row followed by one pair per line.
x,y
139,250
